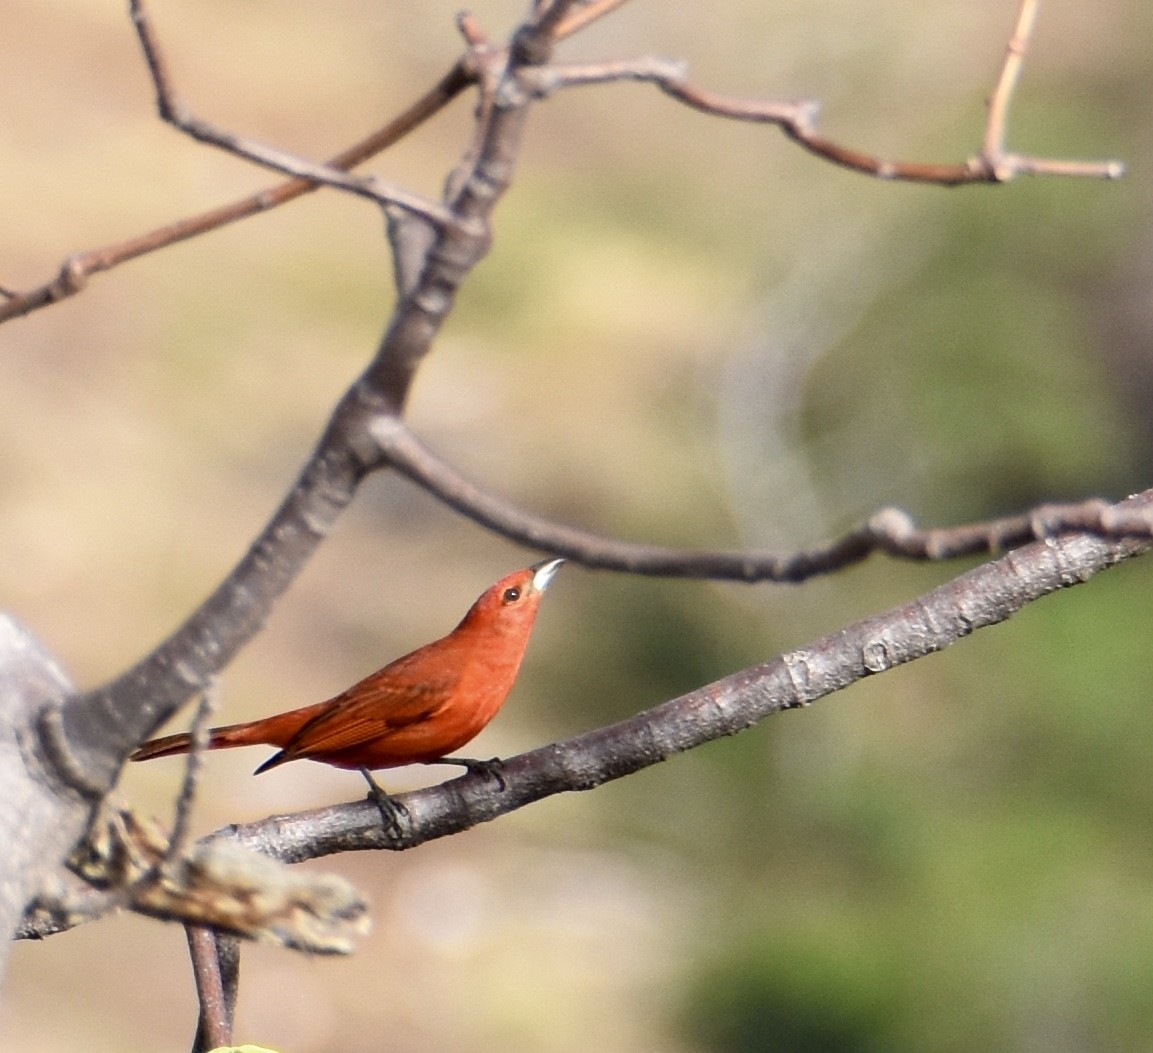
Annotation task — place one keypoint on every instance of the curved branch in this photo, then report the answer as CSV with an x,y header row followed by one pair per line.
x,y
890,531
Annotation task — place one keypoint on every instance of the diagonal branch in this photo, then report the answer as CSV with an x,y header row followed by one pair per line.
x,y
78,268
89,736
96,730
984,596
576,20
173,112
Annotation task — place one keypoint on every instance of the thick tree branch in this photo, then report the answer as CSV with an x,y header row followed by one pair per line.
x,y
91,736
984,596
98,730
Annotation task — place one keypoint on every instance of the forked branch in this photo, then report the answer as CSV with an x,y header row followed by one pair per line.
x,y
797,120
982,597
173,111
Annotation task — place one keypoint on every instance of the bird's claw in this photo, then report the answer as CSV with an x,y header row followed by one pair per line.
x,y
391,810
493,768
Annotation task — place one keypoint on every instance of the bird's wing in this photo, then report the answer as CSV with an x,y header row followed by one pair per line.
x,y
374,711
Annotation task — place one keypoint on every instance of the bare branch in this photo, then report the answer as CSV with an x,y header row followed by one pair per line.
x,y
798,120
890,531
214,1026
181,825
173,112
547,21
982,597
576,20
994,145
76,270
99,729
481,182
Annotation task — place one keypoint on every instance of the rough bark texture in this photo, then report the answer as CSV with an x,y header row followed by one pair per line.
x,y
40,819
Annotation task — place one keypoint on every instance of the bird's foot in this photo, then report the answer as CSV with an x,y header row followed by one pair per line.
x,y
494,768
391,810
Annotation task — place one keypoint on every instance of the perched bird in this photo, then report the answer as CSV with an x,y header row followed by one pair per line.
x,y
416,710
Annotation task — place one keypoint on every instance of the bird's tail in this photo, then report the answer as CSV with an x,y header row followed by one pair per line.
x,y
218,739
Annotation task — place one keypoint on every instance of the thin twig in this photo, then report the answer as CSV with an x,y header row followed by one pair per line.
x,y
548,20
76,270
577,20
994,145
173,112
181,823
798,120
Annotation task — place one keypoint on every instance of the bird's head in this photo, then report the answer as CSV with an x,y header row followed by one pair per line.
x,y
511,604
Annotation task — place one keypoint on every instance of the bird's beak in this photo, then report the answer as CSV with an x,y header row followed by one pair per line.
x,y
543,573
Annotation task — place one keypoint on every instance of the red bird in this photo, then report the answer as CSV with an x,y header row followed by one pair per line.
x,y
416,710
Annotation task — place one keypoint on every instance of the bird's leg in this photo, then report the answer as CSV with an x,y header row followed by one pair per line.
x,y
493,767
391,810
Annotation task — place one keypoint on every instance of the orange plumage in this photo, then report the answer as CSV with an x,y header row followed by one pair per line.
x,y
416,710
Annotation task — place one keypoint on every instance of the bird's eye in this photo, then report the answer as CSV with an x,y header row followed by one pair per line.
x,y
511,595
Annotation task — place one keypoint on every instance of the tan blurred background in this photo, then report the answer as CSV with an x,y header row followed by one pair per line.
x,y
688,332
